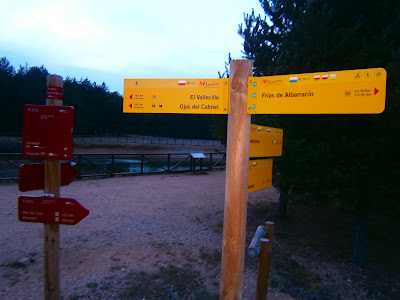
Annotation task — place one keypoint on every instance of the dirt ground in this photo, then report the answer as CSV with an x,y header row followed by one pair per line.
x,y
144,234
160,237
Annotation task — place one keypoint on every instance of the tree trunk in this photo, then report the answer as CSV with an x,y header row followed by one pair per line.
x,y
361,234
283,200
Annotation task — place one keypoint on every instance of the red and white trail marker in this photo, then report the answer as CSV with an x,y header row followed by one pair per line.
x,y
50,210
31,177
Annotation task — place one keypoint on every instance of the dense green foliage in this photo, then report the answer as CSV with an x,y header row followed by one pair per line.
x,y
97,110
351,158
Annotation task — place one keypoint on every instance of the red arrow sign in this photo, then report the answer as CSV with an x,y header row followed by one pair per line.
x,y
50,210
31,177
376,91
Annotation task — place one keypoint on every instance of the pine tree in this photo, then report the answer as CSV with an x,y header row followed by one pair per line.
x,y
351,155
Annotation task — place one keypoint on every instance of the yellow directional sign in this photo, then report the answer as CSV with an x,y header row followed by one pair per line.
x,y
341,92
260,174
265,141
182,96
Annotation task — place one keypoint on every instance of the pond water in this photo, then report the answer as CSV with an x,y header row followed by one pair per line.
x,y
96,165
102,164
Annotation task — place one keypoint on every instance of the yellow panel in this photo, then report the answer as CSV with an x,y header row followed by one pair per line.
x,y
341,92
265,141
182,96
260,174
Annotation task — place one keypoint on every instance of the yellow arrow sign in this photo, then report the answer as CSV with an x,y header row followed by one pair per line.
x,y
341,92
260,174
265,141
182,96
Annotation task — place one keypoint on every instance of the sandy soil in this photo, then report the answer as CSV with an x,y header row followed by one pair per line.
x,y
143,230
160,237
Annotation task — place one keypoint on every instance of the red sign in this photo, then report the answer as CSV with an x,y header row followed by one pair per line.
x,y
31,177
54,93
50,210
48,132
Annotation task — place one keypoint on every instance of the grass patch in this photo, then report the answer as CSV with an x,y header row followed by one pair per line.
x,y
92,285
212,257
218,228
16,265
169,283
296,281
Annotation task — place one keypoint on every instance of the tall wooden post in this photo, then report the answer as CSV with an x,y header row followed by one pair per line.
x,y
237,172
52,186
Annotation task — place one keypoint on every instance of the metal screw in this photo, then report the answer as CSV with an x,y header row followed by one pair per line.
x,y
253,106
226,82
254,95
254,83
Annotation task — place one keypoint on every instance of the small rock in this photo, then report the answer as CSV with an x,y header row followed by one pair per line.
x,y
92,285
23,260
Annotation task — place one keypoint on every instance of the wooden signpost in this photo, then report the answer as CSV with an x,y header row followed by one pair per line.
x,y
236,186
52,186
48,134
341,92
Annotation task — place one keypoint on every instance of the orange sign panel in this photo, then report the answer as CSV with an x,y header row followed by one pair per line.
x,y
177,96
340,92
260,174
265,141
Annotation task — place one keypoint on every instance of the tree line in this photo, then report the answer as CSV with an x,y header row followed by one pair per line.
x,y
98,111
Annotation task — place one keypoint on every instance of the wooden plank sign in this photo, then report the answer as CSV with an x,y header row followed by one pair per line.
x,y
339,92
179,96
260,174
265,141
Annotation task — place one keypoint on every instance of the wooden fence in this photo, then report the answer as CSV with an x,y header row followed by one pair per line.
x,y
117,164
128,139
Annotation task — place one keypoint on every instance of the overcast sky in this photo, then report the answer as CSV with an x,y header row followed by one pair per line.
x,y
112,40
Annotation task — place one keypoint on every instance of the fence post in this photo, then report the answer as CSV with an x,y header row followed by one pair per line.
x,y
112,164
269,226
79,165
237,170
169,162
211,161
263,270
141,163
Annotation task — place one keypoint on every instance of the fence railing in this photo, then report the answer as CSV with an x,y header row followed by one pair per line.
x,y
117,164
129,139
